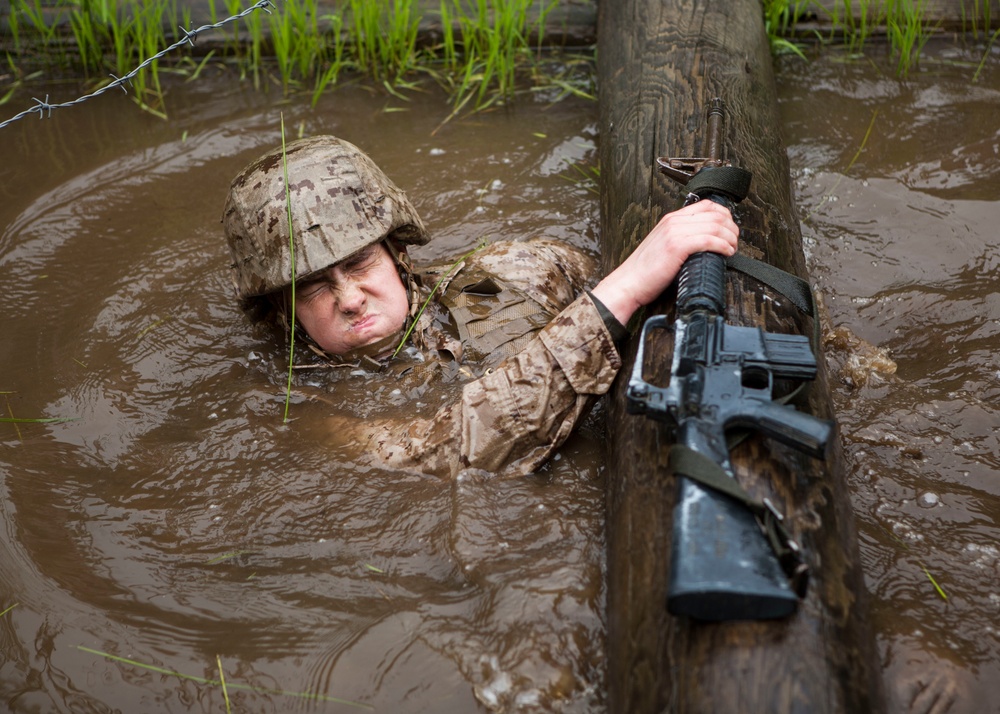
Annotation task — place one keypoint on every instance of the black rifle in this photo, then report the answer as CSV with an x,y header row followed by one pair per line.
x,y
731,556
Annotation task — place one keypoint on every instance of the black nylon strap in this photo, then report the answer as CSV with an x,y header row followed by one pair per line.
x,y
797,290
791,286
730,181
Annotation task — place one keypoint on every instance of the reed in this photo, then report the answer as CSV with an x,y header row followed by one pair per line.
x,y
586,176
291,250
986,55
332,62
222,682
49,420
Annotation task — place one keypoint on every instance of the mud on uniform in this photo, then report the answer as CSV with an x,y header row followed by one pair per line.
x,y
515,301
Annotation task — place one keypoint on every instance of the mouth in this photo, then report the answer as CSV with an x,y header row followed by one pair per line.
x,y
364,323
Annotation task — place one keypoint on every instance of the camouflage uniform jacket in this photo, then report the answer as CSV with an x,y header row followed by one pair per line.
x,y
512,419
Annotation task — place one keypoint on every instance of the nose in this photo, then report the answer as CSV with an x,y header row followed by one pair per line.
x,y
351,298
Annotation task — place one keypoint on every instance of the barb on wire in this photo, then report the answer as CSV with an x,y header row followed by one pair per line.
x,y
41,107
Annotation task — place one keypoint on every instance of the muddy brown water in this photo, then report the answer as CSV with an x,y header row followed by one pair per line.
x,y
900,234
176,522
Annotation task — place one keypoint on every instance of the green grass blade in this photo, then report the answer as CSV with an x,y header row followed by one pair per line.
x,y
291,249
222,678
934,583
482,244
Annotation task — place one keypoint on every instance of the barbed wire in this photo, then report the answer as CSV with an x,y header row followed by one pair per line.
x,y
44,109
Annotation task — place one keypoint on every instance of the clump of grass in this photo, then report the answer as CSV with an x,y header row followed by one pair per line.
x,y
780,18
233,46
111,35
299,43
980,20
383,38
904,24
486,42
481,62
35,19
908,31
856,29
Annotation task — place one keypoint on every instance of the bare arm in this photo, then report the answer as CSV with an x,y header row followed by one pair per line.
x,y
653,265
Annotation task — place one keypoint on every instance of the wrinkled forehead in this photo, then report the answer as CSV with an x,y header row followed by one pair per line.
x,y
376,250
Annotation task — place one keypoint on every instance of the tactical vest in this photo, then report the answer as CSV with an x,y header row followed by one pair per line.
x,y
503,294
494,320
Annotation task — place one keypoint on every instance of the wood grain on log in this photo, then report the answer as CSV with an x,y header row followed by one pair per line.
x,y
660,64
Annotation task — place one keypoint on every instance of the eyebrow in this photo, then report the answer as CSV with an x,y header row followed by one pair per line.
x,y
348,262
359,256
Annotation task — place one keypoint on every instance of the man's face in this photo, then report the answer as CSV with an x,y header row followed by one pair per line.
x,y
353,303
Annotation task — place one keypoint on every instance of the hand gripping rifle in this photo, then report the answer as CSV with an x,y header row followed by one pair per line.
x,y
732,558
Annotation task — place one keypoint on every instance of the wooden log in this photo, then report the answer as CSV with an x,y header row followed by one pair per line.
x,y
660,63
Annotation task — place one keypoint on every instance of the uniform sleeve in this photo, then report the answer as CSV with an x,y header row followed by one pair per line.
x,y
512,419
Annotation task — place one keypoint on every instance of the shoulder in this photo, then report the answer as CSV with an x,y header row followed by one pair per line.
x,y
551,272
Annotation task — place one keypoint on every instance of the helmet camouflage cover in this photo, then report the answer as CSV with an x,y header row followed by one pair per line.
x,y
340,201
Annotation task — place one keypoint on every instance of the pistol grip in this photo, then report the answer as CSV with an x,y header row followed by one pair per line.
x,y
801,431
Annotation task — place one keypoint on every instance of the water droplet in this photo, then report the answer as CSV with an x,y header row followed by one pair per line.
x,y
929,500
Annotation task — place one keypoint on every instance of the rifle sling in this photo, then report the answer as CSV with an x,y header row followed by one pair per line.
x,y
798,292
685,461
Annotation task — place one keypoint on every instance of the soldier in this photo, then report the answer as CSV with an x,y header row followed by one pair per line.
x,y
517,312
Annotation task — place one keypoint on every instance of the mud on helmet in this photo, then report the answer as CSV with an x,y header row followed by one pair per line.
x,y
340,200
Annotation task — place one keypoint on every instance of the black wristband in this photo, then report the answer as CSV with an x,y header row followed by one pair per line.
x,y
617,329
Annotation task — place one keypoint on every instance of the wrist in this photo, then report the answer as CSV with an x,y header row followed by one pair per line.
x,y
616,299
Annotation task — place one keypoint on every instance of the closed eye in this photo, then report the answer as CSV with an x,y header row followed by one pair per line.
x,y
309,290
362,260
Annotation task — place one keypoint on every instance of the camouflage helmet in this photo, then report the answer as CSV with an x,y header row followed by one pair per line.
x,y
341,202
